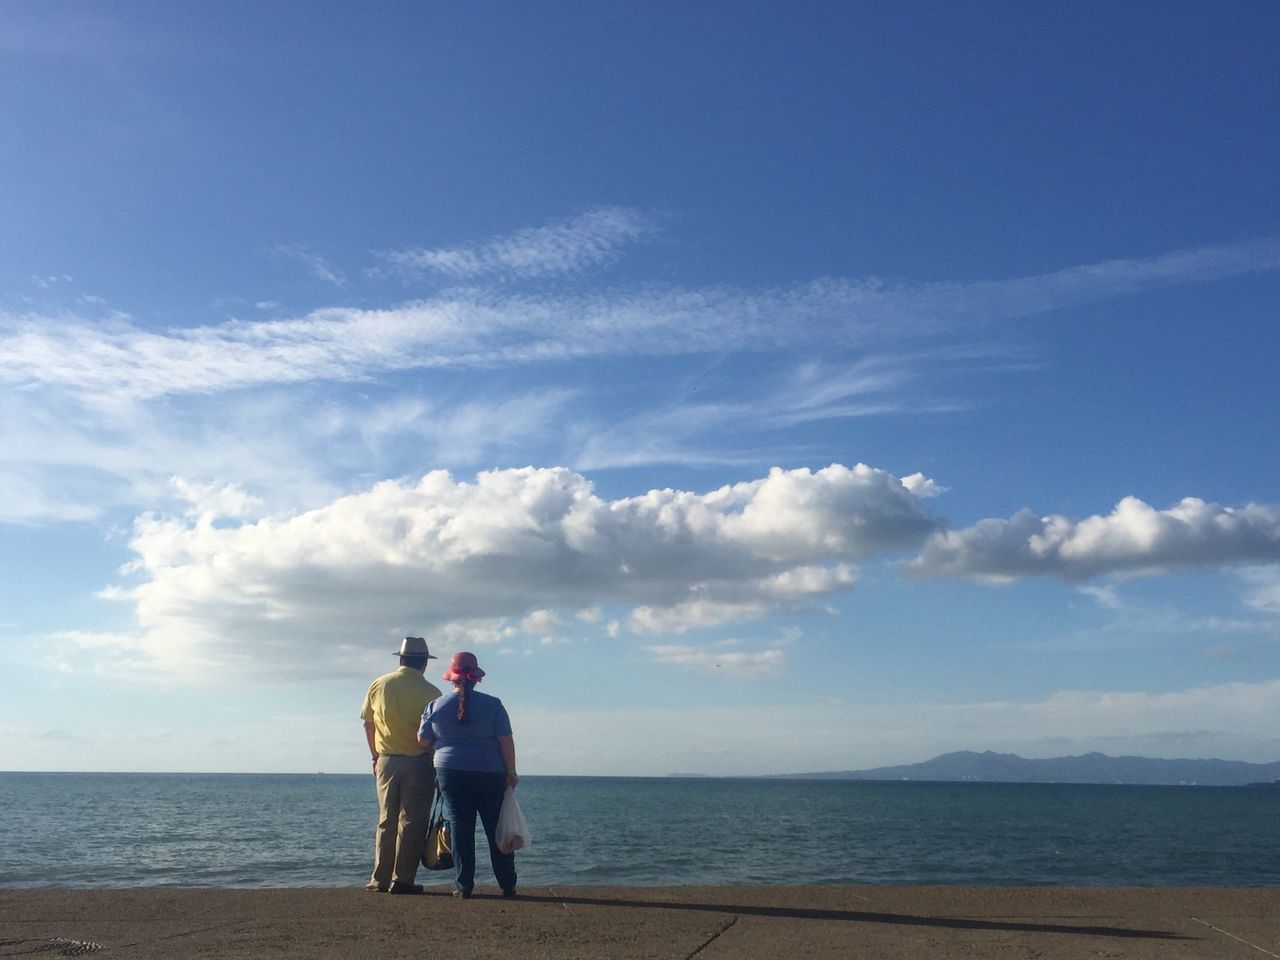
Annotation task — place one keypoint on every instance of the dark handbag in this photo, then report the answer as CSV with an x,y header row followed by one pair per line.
x,y
437,854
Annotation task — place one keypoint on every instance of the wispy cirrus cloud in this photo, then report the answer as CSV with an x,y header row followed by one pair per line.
x,y
1133,538
61,461
28,500
590,239
460,433
1264,590
736,664
486,328
677,430
315,264
49,281
89,382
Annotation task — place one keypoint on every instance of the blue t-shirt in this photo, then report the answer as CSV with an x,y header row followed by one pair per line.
x,y
472,745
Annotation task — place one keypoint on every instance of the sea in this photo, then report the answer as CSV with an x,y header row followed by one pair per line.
x,y
264,830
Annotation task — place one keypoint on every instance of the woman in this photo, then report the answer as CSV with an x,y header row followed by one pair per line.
x,y
475,760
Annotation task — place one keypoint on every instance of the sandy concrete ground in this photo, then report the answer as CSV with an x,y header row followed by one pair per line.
x,y
710,923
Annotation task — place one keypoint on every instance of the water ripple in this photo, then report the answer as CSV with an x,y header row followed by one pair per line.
x,y
129,830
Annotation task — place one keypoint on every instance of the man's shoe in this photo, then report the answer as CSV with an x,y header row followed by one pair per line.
x,y
374,887
509,892
399,887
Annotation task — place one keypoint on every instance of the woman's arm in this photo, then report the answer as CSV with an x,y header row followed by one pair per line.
x,y
426,736
507,745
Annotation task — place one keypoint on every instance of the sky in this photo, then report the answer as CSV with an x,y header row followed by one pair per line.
x,y
754,388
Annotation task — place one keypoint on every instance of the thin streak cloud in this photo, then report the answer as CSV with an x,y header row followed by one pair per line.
x,y
478,329
315,264
565,247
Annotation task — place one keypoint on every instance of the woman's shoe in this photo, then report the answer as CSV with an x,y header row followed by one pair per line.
x,y
462,894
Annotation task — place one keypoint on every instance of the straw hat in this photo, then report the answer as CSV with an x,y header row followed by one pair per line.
x,y
414,647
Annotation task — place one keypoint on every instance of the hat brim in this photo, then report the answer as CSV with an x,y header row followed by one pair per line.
x,y
401,653
453,676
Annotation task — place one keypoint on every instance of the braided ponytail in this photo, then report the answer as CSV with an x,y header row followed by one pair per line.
x,y
463,688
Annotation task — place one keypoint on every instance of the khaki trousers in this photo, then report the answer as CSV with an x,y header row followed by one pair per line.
x,y
404,804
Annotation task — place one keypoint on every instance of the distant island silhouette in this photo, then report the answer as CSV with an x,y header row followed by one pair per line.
x,y
990,767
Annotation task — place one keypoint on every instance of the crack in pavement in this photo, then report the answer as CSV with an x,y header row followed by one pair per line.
x,y
1234,937
713,938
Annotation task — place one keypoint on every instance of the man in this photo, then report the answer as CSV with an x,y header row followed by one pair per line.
x,y
391,713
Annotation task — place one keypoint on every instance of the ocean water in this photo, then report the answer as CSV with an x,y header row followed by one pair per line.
x,y
231,830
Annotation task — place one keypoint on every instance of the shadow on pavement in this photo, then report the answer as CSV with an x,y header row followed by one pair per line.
x,y
863,916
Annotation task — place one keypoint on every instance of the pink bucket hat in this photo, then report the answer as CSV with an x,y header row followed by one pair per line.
x,y
463,666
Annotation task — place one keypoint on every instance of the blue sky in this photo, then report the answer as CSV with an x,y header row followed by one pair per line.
x,y
753,389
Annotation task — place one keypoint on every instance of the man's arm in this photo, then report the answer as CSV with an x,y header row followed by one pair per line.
x,y
368,735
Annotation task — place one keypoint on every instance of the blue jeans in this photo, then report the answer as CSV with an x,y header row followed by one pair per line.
x,y
466,793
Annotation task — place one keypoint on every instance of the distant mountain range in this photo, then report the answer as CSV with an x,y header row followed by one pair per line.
x,y
991,767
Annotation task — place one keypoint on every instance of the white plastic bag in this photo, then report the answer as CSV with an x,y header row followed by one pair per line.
x,y
513,833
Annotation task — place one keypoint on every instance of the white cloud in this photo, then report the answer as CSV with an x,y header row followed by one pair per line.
x,y
84,462
212,500
736,664
316,265
1264,593
676,431
115,356
473,632
713,603
27,500
442,555
1134,537
695,615
872,385
62,461
466,432
1104,596
51,280
540,621
457,434
568,246
104,409
922,486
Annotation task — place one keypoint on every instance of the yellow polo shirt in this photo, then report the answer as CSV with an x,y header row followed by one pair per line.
x,y
394,706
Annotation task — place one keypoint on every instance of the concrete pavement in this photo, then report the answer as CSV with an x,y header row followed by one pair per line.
x,y
672,923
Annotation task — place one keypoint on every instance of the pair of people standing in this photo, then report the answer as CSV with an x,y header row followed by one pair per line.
x,y
420,740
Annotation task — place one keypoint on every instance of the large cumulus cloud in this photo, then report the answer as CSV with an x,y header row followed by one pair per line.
x,y
438,553
1134,537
